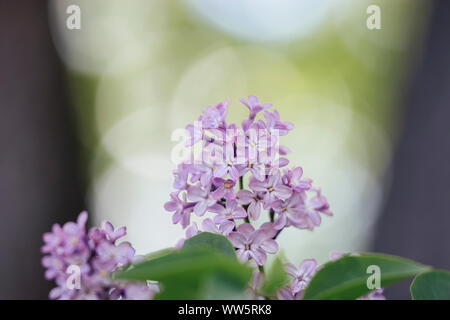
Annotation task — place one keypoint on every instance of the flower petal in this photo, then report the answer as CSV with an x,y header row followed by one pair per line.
x,y
307,267
259,256
237,239
246,229
270,246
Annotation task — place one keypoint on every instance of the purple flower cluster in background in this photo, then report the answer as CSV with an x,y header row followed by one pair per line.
x,y
72,255
239,173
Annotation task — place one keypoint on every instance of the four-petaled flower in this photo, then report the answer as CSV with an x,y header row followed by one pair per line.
x,y
302,274
253,244
272,188
224,189
231,211
224,228
289,212
254,106
202,198
253,200
182,208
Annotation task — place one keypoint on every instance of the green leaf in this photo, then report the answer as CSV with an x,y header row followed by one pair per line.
x,y
432,285
183,273
211,240
219,288
275,279
346,278
158,254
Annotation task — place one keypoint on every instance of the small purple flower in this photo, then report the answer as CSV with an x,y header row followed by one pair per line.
x,y
254,106
272,188
110,256
253,244
224,228
302,274
194,133
182,208
311,208
68,238
289,212
258,144
224,189
181,175
229,165
253,200
273,125
202,197
214,117
111,233
203,173
231,211
257,171
293,178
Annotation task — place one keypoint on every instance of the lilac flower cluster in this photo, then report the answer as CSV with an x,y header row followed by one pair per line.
x,y
95,254
223,158
300,277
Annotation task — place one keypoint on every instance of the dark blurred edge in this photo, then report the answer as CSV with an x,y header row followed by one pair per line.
x,y
39,173
415,222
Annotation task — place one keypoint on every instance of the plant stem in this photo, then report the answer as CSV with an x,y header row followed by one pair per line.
x,y
276,235
241,186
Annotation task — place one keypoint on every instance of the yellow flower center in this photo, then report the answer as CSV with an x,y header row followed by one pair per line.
x,y
270,189
227,185
247,247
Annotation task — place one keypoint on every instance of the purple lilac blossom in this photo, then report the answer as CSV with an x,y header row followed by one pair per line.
x,y
97,255
237,177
